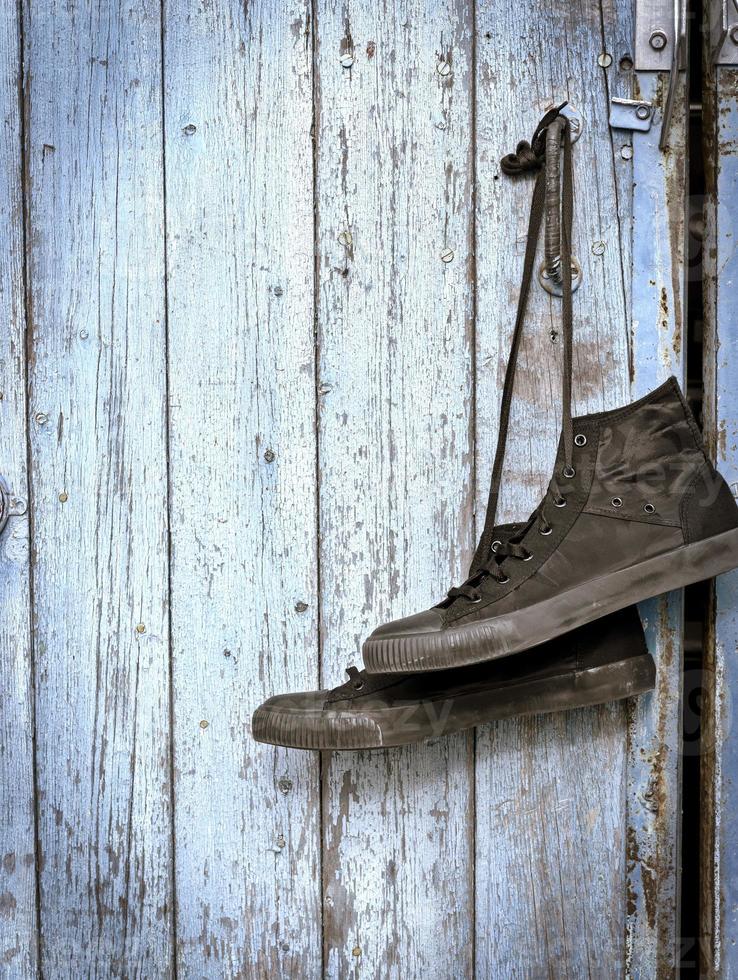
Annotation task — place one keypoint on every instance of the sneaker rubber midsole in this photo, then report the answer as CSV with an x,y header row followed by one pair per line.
x,y
529,626
335,729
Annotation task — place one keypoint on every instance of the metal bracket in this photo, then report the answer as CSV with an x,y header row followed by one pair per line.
x,y
661,45
724,32
631,114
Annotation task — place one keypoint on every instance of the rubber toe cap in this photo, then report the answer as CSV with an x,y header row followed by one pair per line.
x,y
428,621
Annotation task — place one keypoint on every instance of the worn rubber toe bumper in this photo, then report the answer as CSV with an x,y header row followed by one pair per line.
x,y
602,661
642,511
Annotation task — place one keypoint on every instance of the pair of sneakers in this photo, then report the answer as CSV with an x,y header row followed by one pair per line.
x,y
546,618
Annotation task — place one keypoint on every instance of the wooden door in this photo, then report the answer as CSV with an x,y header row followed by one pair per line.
x,y
259,278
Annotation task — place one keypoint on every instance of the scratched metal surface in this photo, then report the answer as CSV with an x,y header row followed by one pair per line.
x,y
270,277
719,933
655,721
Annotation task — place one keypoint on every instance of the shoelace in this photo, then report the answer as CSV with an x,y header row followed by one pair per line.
x,y
490,553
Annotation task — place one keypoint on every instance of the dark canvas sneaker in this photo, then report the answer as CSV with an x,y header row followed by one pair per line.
x,y
640,510
602,661
634,507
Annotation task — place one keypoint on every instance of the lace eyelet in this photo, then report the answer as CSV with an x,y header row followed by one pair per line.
x,y
561,502
580,440
504,581
617,502
546,532
569,472
649,508
528,556
358,685
495,545
476,598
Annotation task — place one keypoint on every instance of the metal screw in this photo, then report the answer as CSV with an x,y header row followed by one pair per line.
x,y
345,239
285,785
356,951
347,60
733,33
269,456
63,496
204,724
141,628
83,335
643,112
443,68
41,418
281,842
626,152
658,40
598,248
278,291
300,607
447,255
604,60
189,129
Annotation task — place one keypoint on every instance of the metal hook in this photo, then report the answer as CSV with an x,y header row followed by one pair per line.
x,y
550,272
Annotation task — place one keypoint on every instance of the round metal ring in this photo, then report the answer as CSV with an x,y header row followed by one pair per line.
x,y
569,472
545,533
477,598
504,581
561,502
580,440
649,508
617,502
555,288
496,545
358,685
528,556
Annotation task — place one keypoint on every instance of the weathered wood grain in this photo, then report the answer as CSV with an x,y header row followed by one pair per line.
x,y
655,720
238,106
549,790
394,191
719,933
98,454
18,933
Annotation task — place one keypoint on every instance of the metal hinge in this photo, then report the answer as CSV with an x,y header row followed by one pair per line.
x,y
724,32
631,114
661,45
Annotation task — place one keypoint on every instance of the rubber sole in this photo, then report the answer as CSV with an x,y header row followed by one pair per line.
x,y
382,727
513,632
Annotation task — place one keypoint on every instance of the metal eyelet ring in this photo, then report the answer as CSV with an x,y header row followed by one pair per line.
x,y
617,502
546,532
561,502
476,598
504,581
580,440
649,508
358,685
528,556
496,545
569,472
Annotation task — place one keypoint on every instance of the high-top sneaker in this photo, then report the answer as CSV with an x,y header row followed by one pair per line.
x,y
634,507
602,661
640,511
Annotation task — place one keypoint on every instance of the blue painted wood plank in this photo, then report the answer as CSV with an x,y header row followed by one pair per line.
x,y
239,154
550,790
394,191
655,720
719,938
18,933
99,479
